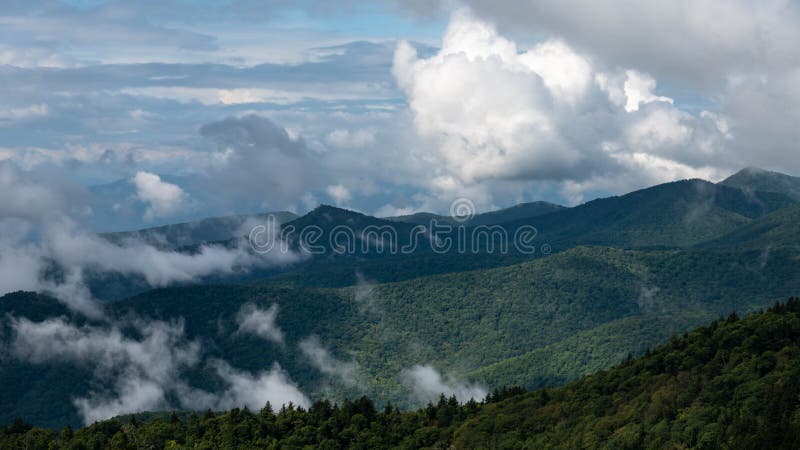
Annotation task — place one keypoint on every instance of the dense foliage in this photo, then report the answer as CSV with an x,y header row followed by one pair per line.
x,y
540,323
525,320
732,384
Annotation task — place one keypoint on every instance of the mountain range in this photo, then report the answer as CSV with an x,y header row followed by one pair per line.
x,y
619,276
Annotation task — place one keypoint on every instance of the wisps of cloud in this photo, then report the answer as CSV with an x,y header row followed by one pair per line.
x,y
347,372
39,236
260,322
144,373
427,384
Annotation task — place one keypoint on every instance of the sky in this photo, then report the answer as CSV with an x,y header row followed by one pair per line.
x,y
131,114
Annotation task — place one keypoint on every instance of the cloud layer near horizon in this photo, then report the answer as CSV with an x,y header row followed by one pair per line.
x,y
517,101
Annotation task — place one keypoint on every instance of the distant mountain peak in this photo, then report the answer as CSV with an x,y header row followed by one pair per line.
x,y
330,210
757,179
324,215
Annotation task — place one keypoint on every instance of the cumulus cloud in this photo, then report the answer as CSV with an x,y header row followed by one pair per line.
x,y
142,374
522,100
260,322
485,104
322,360
492,112
428,384
163,199
258,159
694,41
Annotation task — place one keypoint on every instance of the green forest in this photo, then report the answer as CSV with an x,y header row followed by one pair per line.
x,y
626,274
732,384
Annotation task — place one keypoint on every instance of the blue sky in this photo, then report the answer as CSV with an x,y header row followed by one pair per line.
x,y
387,107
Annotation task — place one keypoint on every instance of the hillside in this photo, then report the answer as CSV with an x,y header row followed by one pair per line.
x,y
342,243
673,215
542,322
496,319
678,214
778,229
732,384
754,179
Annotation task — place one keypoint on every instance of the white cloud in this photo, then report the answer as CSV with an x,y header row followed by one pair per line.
x,y
37,233
24,197
339,193
487,107
494,117
164,199
260,322
22,113
138,371
20,266
697,41
321,358
565,73
638,89
262,161
78,252
428,384
244,389
142,374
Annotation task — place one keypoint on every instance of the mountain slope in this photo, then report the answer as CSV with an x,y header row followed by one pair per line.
x,y
671,215
754,179
678,214
732,384
519,324
779,228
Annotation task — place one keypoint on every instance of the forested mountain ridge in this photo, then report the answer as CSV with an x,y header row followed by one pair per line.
x,y
732,384
677,214
539,323
494,319
777,229
673,215
755,179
